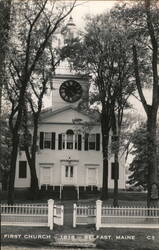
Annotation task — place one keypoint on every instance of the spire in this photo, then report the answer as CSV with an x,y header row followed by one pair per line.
x,y
70,22
70,30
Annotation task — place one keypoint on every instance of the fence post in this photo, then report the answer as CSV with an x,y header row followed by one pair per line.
x,y
50,213
62,215
74,214
98,214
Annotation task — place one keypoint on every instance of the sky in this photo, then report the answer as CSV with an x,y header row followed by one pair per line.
x,y
90,7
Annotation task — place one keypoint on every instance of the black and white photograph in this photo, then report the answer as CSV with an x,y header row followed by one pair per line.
x,y
79,124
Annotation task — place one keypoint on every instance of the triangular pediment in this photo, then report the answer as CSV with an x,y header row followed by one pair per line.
x,y
65,115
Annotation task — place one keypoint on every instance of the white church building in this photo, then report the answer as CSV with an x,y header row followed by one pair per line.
x,y
69,155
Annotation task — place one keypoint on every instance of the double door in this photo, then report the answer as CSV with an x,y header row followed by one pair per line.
x,y
69,175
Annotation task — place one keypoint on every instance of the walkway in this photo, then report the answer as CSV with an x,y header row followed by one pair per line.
x,y
68,213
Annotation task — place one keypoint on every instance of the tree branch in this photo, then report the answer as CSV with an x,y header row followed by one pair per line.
x,y
138,83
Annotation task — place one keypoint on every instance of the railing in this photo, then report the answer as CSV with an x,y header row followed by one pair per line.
x,y
32,214
130,216
107,216
129,211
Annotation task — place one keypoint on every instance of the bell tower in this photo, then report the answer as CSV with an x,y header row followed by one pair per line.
x,y
68,88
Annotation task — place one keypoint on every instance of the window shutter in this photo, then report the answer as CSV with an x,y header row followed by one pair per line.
x,y
79,142
97,142
41,140
22,169
53,140
115,170
60,141
86,142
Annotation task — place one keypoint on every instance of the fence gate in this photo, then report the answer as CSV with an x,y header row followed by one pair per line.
x,y
58,215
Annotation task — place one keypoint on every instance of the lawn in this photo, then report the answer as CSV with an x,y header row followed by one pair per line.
x,y
22,196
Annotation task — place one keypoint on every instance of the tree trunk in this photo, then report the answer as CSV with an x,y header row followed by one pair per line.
x,y
31,158
152,195
105,176
34,186
115,198
14,153
105,144
116,161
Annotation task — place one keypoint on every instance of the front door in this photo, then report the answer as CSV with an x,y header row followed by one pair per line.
x,y
68,175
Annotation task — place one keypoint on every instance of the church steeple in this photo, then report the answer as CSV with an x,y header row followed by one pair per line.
x,y
70,30
68,33
70,22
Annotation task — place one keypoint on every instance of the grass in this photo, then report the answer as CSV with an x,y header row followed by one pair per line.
x,y
23,196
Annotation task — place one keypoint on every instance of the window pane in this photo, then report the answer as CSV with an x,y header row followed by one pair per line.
x,y
47,144
47,136
47,140
66,171
69,141
92,141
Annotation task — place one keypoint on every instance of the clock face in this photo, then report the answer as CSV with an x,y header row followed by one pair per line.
x,y
70,91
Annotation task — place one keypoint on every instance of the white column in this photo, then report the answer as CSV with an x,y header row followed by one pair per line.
x,y
50,213
74,214
98,214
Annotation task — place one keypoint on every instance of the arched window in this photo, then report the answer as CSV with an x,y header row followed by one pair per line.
x,y
69,139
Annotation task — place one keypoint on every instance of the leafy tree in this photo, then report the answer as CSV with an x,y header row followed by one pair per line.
x,y
34,100
5,151
103,52
4,29
34,24
141,23
139,165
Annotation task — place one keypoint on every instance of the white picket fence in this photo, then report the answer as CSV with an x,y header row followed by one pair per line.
x,y
59,215
107,216
32,214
